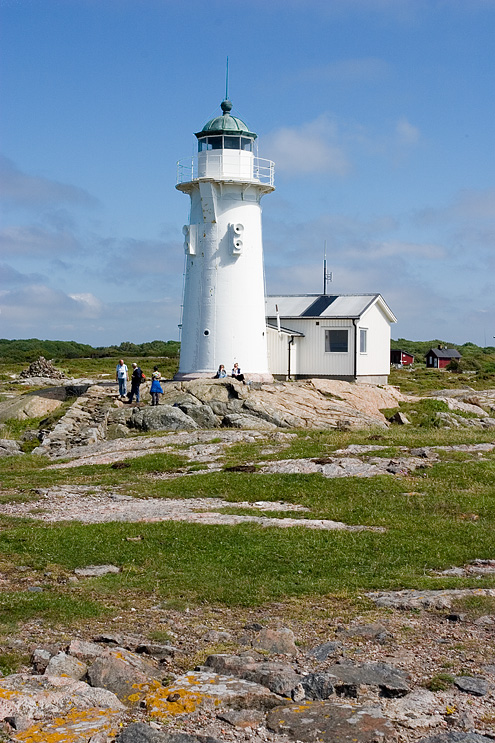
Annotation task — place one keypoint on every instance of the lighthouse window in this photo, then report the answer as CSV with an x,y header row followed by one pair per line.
x,y
231,143
246,144
210,143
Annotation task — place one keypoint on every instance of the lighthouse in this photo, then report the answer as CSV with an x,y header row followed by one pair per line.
x,y
223,317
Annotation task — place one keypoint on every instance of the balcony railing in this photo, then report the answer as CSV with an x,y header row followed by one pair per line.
x,y
226,165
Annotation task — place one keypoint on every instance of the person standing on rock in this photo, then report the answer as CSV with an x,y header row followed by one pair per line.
x,y
156,388
122,377
136,379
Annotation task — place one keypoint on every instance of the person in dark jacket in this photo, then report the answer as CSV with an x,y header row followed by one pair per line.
x,y
136,379
236,373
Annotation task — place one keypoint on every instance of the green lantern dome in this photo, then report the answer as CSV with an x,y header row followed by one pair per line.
x,y
226,124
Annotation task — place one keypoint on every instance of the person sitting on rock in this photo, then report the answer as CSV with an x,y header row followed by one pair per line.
x,y
221,373
236,373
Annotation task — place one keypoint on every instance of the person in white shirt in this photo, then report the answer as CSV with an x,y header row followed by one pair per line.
x,y
122,377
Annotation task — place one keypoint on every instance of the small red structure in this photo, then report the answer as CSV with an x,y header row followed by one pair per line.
x,y
401,358
439,358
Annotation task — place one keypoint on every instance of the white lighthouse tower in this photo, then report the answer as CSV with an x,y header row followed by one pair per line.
x,y
223,317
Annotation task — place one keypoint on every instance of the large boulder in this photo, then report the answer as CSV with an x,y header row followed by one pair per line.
x,y
203,415
9,448
200,689
344,723
34,404
161,418
34,698
278,677
390,681
125,674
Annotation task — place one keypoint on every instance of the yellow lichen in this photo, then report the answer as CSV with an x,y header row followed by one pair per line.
x,y
6,694
159,706
68,729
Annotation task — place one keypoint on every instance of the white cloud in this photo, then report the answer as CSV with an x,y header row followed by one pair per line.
x,y
36,240
407,134
10,277
402,248
24,190
469,205
38,311
89,305
313,147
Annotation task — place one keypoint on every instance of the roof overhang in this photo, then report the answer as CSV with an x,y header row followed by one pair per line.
x,y
284,331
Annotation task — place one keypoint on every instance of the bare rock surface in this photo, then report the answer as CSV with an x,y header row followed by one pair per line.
x,y
249,695
390,681
122,672
77,504
330,722
57,708
411,599
198,689
9,448
35,404
97,414
280,678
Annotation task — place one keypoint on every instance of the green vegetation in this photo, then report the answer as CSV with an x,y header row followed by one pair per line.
x,y
440,682
440,516
22,351
475,369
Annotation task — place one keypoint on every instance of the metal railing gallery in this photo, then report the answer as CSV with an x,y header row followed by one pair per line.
x,y
255,169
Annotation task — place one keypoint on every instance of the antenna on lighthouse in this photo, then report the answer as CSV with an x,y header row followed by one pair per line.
x,y
227,80
327,275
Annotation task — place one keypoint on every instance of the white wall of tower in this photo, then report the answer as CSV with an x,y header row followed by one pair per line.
x,y
224,300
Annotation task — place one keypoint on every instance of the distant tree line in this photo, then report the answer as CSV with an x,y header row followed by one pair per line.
x,y
479,358
22,351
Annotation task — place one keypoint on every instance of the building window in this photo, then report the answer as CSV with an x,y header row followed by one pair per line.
x,y
336,341
363,340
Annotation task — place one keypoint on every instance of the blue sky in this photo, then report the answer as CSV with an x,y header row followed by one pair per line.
x,y
379,115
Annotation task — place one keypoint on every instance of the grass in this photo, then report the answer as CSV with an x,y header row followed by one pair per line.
x,y
19,606
247,565
440,682
440,516
420,380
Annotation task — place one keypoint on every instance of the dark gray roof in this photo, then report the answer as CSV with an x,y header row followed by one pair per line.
x,y
291,306
444,353
271,323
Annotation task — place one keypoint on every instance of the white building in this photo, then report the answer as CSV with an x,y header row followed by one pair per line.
x,y
223,318
320,335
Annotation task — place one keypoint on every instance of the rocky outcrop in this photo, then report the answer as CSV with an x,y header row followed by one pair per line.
x,y
9,448
35,404
90,691
84,423
317,403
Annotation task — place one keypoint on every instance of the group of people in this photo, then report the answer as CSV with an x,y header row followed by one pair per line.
x,y
236,372
137,378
